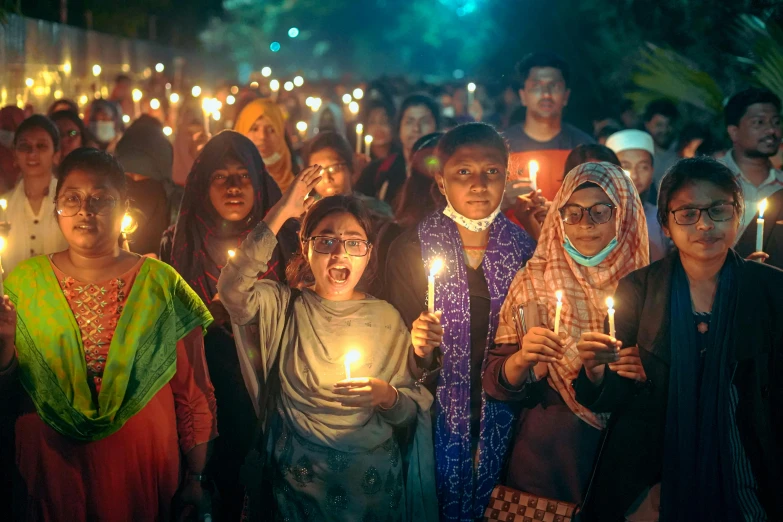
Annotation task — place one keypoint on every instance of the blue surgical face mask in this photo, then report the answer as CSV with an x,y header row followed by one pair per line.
x,y
584,260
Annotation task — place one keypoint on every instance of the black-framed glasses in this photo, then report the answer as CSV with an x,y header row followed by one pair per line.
x,y
329,245
600,213
68,205
334,169
691,216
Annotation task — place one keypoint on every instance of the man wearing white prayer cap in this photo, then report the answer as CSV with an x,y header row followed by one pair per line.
x,y
636,149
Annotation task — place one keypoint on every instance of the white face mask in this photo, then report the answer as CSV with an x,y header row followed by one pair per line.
x,y
271,160
474,225
449,112
7,138
104,131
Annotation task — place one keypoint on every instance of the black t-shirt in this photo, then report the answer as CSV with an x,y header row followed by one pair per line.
x,y
406,289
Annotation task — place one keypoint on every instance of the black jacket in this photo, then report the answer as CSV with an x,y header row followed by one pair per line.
x,y
633,454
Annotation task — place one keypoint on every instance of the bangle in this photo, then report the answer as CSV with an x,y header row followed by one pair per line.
x,y
396,400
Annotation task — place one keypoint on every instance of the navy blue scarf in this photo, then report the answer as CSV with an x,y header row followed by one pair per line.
x,y
461,496
698,482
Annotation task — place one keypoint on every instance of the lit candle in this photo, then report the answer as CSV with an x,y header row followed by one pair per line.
x,y
558,310
231,254
350,358
437,265
2,272
760,226
359,132
274,85
471,94
127,228
3,207
353,108
96,71
610,311
206,108
302,128
532,170
136,105
367,145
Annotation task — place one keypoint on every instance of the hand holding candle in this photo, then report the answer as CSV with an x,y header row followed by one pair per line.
x,y
436,267
610,312
558,310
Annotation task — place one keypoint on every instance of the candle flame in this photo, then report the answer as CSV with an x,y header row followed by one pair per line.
x,y
127,223
610,303
3,204
559,296
359,128
137,94
533,168
2,243
352,356
231,253
368,139
436,267
762,208
471,87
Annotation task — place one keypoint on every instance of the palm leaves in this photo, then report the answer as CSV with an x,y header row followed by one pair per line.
x,y
764,42
664,73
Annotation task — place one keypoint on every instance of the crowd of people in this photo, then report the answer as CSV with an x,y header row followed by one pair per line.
x,y
486,313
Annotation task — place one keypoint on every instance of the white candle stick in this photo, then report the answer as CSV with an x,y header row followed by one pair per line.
x,y
471,95
558,310
350,358
610,311
367,145
302,128
359,132
532,170
436,267
760,226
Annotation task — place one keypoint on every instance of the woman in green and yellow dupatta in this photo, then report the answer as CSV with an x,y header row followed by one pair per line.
x,y
106,352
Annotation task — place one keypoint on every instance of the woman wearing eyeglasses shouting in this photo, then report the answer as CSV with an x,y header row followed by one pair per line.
x,y
102,356
344,361
595,235
703,439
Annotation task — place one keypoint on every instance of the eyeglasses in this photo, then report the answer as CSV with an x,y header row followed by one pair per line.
x,y
600,213
691,216
329,245
73,133
68,205
334,169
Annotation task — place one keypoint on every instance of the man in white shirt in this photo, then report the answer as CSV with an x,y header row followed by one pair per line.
x,y
753,123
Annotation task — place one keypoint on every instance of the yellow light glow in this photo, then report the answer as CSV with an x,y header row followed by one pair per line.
x,y
354,108
83,99
358,93
3,204
29,82
216,115
359,128
127,223
436,267
160,67
533,167
234,89
137,94
167,130
368,140
125,118
96,70
196,91
610,303
58,94
352,356
266,72
154,104
230,100
301,126
762,208
559,296
174,98
231,253
67,67
254,85
347,98
2,243
298,81
288,86
471,87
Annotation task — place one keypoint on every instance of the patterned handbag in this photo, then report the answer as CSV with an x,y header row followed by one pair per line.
x,y
510,505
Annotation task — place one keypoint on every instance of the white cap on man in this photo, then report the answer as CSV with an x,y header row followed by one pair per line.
x,y
631,139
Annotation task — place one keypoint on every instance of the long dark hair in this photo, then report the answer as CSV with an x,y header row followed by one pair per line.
x,y
298,272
